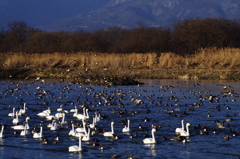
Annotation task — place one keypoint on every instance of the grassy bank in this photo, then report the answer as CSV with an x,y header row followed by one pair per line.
x,y
206,64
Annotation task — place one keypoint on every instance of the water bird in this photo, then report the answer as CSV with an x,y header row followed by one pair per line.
x,y
185,133
179,130
38,134
76,148
127,127
150,140
109,133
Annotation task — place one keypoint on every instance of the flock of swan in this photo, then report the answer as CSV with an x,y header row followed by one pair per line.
x,y
83,126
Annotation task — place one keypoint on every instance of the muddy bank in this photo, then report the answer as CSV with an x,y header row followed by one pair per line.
x,y
119,76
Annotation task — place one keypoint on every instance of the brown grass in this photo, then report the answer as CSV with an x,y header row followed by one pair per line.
x,y
212,58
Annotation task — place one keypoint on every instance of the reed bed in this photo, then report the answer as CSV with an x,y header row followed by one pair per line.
x,y
228,58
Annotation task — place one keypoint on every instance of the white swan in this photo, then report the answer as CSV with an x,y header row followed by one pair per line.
x,y
47,111
93,123
38,135
185,133
84,115
22,127
83,129
72,132
63,120
24,132
54,126
12,114
23,111
86,137
127,127
76,148
16,120
179,130
1,133
109,133
150,140
74,110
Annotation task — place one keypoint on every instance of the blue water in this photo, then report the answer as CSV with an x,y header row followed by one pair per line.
x,y
164,103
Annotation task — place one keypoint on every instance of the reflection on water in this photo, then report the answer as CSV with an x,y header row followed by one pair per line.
x,y
163,104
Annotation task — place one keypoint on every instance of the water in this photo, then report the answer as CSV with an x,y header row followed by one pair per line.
x,y
161,105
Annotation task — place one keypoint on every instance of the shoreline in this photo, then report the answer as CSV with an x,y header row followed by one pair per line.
x,y
100,76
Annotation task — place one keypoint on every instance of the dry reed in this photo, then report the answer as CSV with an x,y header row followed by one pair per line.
x,y
206,58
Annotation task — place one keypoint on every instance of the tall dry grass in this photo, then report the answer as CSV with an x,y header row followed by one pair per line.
x,y
205,58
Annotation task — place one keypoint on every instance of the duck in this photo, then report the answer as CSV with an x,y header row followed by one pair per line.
x,y
150,140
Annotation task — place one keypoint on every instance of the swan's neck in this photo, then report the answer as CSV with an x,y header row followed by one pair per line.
x,y
128,123
182,126
2,129
41,131
112,129
72,127
153,136
187,129
80,143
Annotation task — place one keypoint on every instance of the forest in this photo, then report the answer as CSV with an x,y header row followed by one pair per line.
x,y
185,38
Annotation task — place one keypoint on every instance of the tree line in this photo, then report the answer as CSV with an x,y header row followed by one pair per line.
x,y
185,38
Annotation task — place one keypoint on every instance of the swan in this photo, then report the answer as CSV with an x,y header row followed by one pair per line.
x,y
83,129
16,120
43,114
1,133
23,111
24,132
63,119
74,110
84,115
12,114
179,130
47,111
72,132
127,127
93,123
54,126
109,133
86,137
76,148
150,140
22,127
185,133
38,135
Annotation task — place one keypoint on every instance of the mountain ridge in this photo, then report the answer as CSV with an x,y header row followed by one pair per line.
x,y
130,13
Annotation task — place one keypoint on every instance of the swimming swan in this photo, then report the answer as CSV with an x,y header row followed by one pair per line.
x,y
76,148
22,127
38,135
12,114
150,140
179,130
127,127
109,133
185,133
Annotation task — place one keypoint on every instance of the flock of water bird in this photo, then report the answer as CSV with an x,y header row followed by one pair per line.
x,y
34,109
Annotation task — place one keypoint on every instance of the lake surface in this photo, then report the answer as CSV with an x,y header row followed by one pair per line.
x,y
164,103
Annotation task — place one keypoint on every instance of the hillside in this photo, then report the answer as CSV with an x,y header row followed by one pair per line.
x,y
73,15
